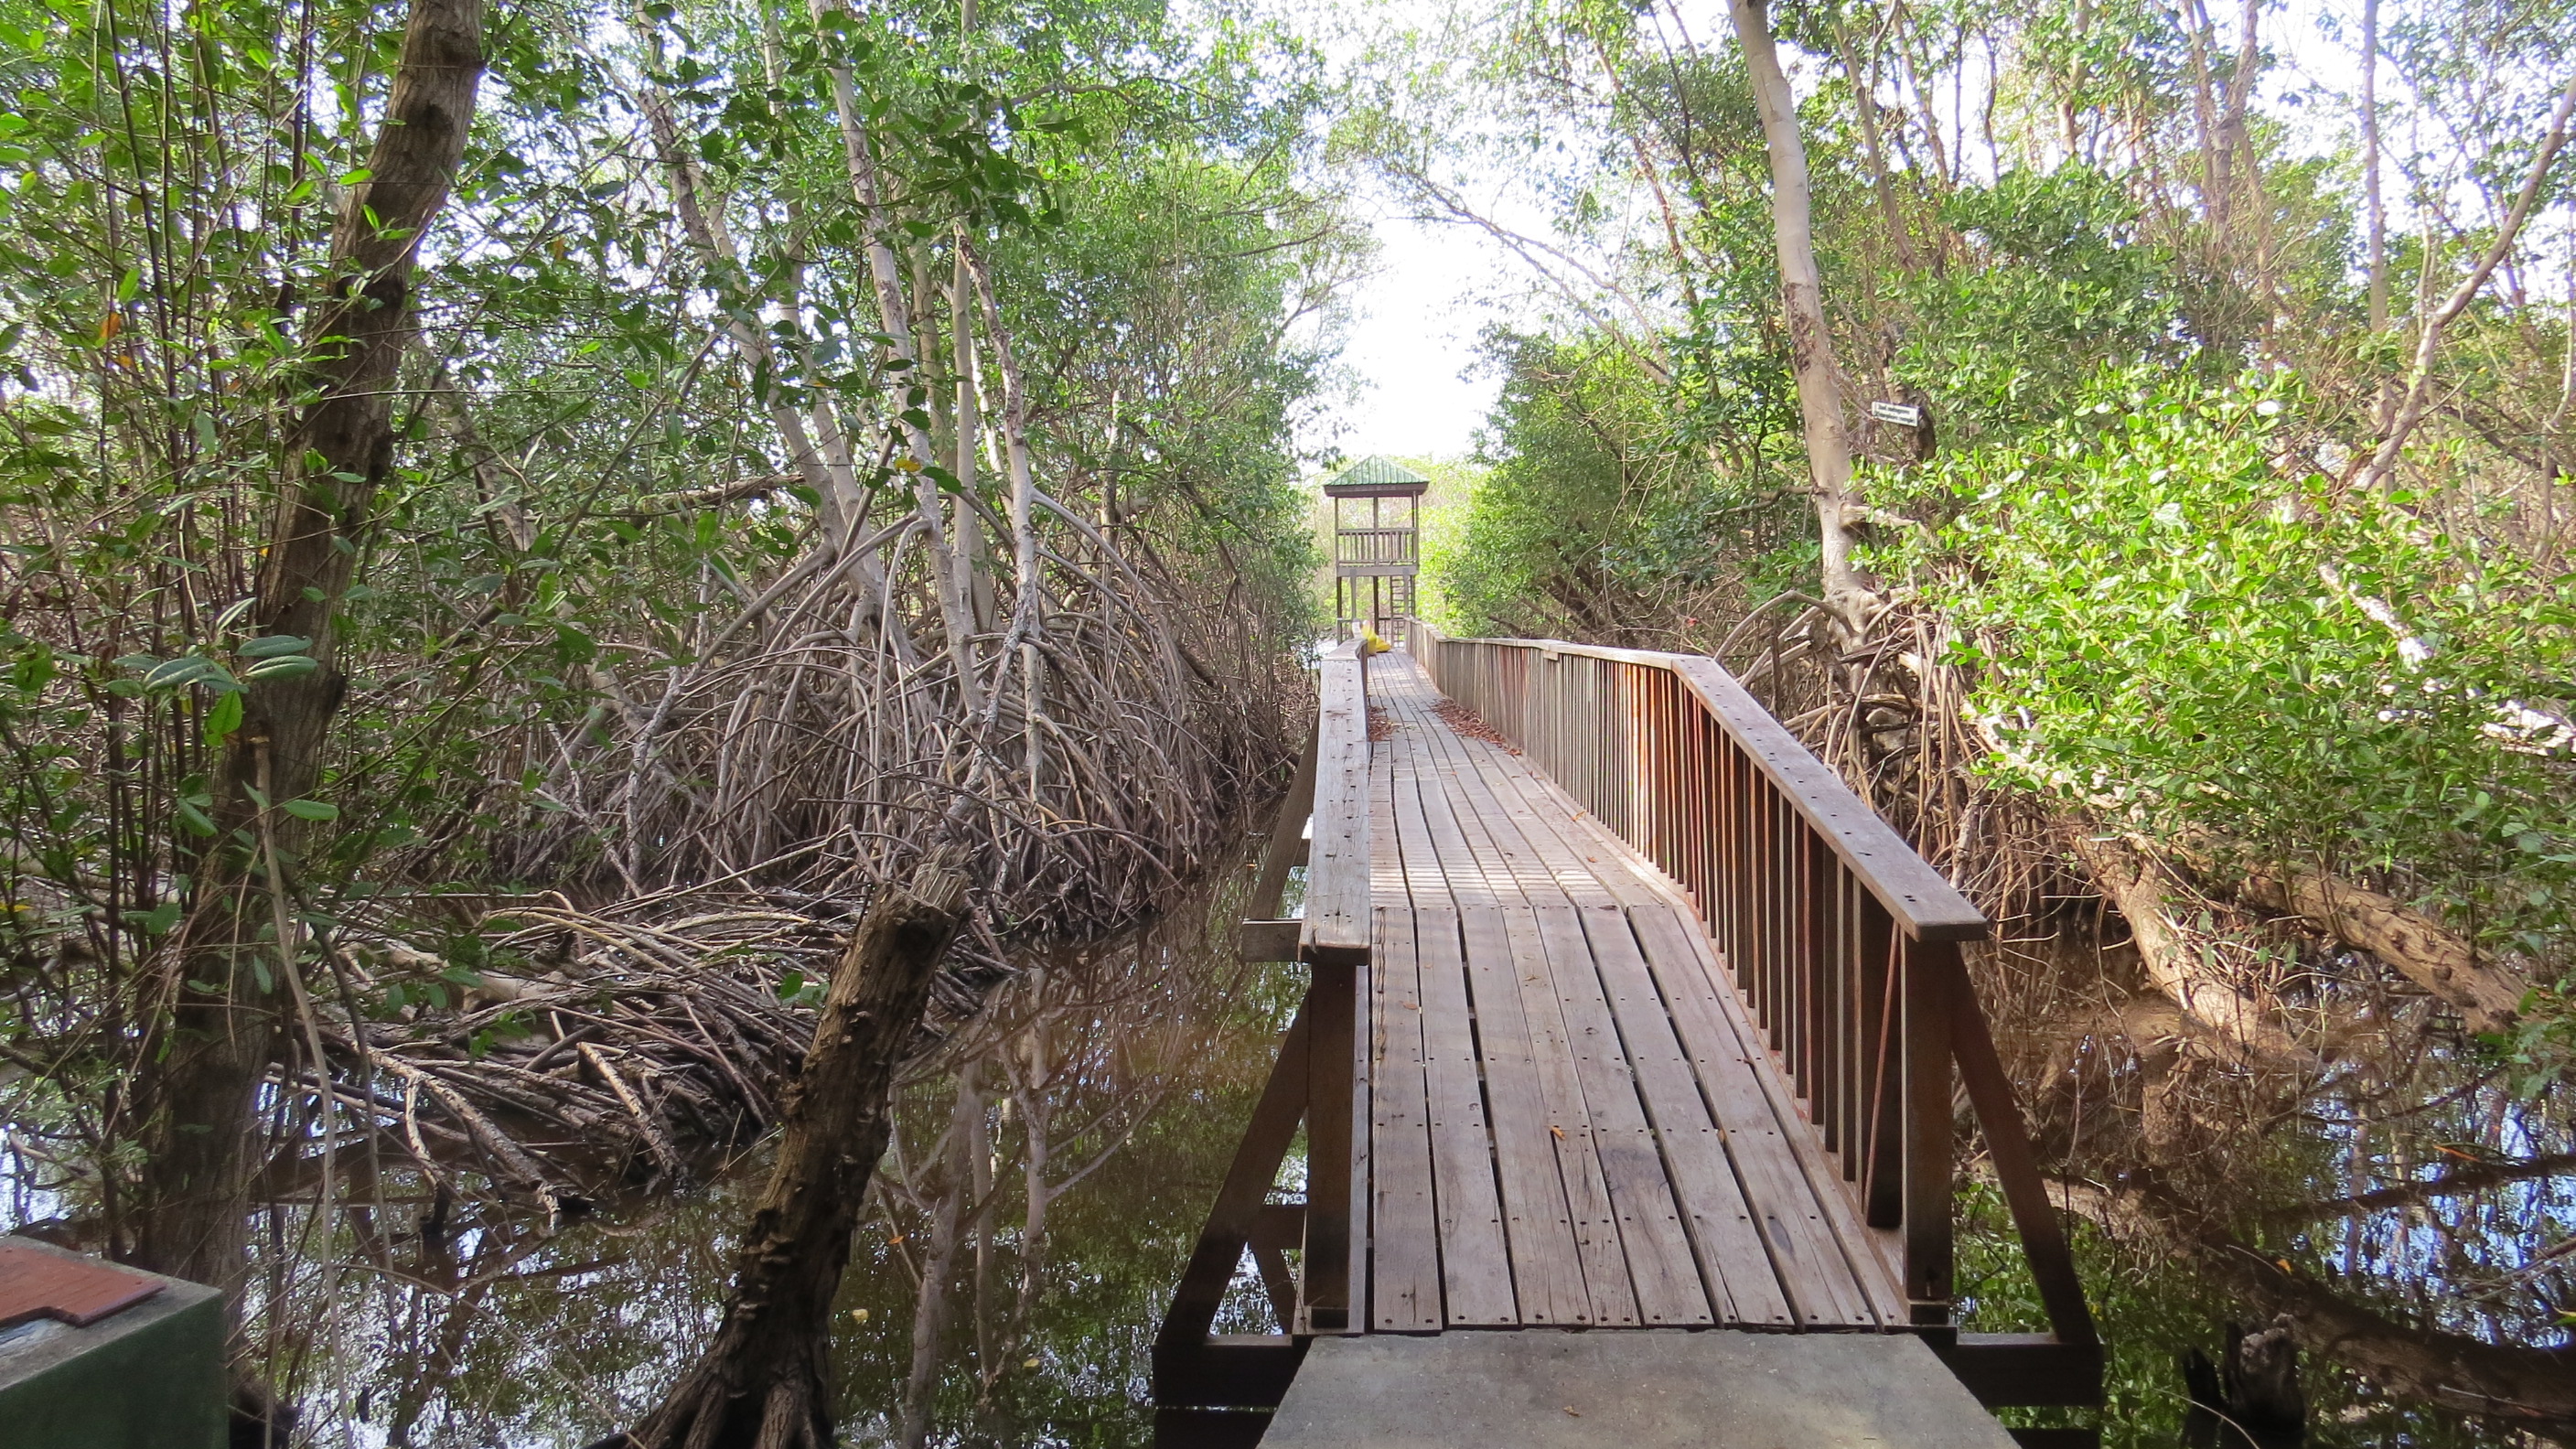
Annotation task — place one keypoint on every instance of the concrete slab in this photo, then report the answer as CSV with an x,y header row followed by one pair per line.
x,y
1629,1389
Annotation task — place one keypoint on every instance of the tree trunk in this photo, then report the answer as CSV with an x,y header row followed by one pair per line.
x,y
1850,596
2135,885
2409,411
2532,1389
970,414
763,1383
1864,84
2213,194
198,1095
2488,996
2529,1389
2250,1398
2233,143
2375,206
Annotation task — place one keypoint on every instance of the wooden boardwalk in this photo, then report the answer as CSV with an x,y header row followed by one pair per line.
x,y
1571,1121
1623,1014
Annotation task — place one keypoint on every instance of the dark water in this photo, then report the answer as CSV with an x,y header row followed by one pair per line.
x,y
1105,1089
1109,1084
2400,1100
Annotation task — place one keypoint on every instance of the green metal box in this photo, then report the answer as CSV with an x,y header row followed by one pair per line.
x,y
150,1376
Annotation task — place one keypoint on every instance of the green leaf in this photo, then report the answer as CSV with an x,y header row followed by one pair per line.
x,y
188,669
223,719
284,666
310,809
272,645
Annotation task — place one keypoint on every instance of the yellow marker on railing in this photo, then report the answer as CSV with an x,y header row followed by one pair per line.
x,y
1370,643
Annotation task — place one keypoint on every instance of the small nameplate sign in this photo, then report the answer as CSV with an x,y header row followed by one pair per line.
x,y
1904,415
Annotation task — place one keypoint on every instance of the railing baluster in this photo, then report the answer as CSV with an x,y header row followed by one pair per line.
x,y
1882,1164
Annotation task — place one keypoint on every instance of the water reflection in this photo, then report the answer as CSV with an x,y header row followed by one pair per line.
x,y
2400,1180
1053,1161
1049,1173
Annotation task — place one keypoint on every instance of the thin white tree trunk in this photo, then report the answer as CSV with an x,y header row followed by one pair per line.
x,y
969,415
2384,407
2428,342
1849,595
1027,611
885,278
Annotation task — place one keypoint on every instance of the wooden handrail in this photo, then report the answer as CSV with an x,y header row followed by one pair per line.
x,y
1318,1080
1337,862
1334,943
1924,906
1841,941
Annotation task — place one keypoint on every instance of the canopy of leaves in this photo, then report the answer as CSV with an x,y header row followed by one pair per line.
x,y
2180,622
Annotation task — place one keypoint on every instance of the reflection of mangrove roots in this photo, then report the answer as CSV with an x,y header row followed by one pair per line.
x,y
763,1383
2530,1389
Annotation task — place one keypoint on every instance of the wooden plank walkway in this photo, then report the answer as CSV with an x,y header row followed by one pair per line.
x,y
1571,1122
1536,1099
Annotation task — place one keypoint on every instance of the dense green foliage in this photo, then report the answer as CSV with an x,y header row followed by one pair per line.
x,y
799,409
1586,504
528,569
558,536
2183,625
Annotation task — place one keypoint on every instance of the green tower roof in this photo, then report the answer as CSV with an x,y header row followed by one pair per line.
x,y
1376,476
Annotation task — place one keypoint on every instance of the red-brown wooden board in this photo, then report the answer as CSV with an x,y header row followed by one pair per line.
x,y
35,1283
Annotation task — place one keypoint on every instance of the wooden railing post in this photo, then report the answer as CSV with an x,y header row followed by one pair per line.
x,y
1329,1140
1928,966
